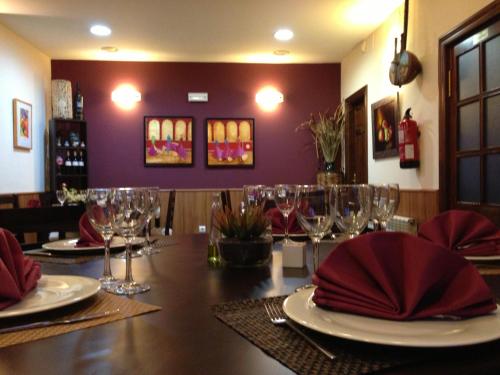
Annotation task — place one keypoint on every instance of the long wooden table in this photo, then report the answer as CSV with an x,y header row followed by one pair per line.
x,y
184,337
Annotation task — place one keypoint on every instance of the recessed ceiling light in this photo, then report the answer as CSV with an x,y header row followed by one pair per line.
x,y
109,49
283,34
281,52
100,30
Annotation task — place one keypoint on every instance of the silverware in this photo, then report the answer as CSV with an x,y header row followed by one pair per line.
x,y
43,253
278,317
47,323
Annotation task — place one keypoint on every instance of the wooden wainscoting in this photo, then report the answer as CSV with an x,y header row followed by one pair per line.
x,y
419,204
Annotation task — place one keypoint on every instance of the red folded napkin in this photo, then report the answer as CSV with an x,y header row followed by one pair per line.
x,y
467,232
278,221
88,235
398,276
18,274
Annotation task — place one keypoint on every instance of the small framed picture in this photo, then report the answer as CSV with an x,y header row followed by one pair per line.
x,y
230,142
22,125
168,141
384,128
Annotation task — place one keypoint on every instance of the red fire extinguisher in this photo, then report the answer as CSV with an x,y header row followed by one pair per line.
x,y
409,155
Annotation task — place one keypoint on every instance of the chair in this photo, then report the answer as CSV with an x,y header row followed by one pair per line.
x,y
42,220
225,196
9,201
169,223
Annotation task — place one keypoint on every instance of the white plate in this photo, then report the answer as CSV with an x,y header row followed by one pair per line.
x,y
491,258
69,245
53,291
421,333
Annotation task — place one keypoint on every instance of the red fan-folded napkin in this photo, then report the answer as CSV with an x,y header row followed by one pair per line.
x,y
398,276
467,232
88,235
18,274
278,221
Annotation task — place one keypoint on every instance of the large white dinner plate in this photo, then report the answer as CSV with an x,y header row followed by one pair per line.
x,y
53,291
421,333
69,245
491,258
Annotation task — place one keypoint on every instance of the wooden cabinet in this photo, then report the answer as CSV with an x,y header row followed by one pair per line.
x,y
68,154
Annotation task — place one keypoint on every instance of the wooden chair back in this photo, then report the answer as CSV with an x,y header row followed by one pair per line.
x,y
169,223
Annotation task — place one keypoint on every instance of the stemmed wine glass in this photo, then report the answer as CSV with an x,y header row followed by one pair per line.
x,y
314,214
100,211
284,196
385,203
154,203
61,196
353,205
254,195
130,211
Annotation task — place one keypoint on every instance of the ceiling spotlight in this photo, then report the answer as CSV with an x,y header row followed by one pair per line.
x,y
283,34
100,30
281,52
110,49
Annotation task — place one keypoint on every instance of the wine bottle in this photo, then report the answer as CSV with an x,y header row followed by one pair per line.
x,y
67,163
78,103
75,163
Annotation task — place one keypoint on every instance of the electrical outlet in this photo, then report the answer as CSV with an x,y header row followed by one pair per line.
x,y
202,229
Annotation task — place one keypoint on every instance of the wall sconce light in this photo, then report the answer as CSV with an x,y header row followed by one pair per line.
x,y
126,96
268,98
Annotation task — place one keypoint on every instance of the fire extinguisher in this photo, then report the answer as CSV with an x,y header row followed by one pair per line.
x,y
409,155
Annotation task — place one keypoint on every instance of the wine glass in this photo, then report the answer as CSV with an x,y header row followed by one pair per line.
x,y
61,196
131,209
284,196
254,195
314,214
99,211
353,205
385,203
154,203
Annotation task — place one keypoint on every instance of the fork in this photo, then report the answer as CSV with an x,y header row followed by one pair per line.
x,y
278,317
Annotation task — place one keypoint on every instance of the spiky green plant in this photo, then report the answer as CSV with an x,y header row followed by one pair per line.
x,y
326,131
248,225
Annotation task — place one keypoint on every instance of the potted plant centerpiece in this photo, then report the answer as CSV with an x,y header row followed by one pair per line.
x,y
243,242
327,131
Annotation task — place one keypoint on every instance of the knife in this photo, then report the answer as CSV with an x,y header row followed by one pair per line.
x,y
47,323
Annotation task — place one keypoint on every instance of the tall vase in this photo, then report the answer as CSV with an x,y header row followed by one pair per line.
x,y
328,176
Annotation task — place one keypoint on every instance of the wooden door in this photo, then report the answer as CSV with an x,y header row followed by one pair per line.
x,y
472,119
356,153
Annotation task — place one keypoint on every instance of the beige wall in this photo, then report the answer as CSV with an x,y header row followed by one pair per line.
x,y
368,64
24,74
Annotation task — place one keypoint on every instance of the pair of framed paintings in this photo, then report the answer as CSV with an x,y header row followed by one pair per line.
x,y
169,142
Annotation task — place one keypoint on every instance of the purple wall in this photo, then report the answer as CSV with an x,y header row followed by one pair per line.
x,y
115,136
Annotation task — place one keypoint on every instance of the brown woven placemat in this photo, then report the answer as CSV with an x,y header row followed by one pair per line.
x,y
249,319
101,302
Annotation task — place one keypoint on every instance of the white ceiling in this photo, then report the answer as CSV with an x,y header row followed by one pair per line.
x,y
196,30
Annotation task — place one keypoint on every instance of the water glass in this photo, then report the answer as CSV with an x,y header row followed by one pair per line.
x,y
353,205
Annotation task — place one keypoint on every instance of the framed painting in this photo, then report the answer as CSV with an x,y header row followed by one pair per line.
x,y
168,141
230,142
384,128
22,125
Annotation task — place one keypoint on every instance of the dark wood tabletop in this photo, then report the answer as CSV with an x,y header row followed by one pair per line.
x,y
184,337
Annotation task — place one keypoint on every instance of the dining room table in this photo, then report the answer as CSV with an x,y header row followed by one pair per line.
x,y
202,328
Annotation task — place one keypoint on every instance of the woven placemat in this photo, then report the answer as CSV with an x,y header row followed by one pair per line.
x,y
101,302
249,319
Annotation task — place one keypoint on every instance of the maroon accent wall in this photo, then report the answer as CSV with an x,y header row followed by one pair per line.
x,y
115,136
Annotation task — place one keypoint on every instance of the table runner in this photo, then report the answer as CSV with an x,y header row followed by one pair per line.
x,y
101,302
249,319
